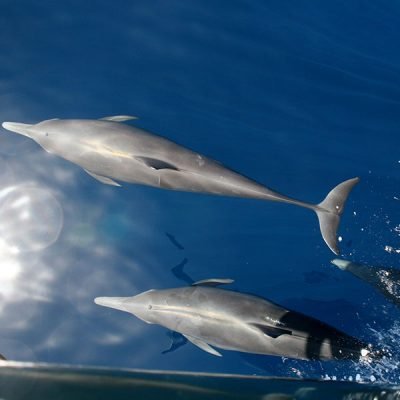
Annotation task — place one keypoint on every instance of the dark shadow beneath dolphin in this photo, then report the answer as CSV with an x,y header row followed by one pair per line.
x,y
174,241
177,341
315,277
180,274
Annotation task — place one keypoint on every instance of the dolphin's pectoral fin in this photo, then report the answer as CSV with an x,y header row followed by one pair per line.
x,y
272,331
203,345
103,179
213,282
118,118
177,340
155,163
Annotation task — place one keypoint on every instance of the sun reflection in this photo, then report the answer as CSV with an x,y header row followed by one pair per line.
x,y
10,268
31,218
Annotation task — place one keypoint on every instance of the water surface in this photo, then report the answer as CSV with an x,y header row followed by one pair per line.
x,y
300,96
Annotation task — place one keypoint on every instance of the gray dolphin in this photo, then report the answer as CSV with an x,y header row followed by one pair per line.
x,y
385,280
208,316
110,152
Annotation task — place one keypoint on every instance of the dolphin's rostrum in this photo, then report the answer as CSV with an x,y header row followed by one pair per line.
x,y
211,317
113,152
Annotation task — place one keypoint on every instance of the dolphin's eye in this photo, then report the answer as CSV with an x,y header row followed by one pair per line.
x,y
47,133
150,307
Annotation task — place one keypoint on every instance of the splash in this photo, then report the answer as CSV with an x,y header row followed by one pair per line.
x,y
391,250
387,369
390,284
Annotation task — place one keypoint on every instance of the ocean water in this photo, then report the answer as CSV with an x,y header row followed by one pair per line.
x,y
297,95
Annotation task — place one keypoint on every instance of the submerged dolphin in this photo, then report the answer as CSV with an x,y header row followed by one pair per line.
x,y
383,279
208,316
110,151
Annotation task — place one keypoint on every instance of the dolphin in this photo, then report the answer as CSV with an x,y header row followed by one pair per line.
x,y
385,280
113,152
209,316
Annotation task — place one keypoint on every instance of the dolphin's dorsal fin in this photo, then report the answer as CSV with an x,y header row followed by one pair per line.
x,y
213,282
118,118
103,179
155,163
203,345
272,331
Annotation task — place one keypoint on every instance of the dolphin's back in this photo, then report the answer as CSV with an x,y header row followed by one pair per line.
x,y
184,169
131,154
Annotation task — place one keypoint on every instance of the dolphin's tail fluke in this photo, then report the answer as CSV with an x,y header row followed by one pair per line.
x,y
330,210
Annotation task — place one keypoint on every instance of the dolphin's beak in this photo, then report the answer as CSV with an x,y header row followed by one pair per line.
x,y
342,264
22,129
112,302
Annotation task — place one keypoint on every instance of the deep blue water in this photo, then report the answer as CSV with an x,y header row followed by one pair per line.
x,y
298,95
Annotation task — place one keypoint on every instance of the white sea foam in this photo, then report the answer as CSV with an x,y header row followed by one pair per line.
x,y
391,249
387,369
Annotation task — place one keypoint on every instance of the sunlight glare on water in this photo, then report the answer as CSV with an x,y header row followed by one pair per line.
x,y
31,218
